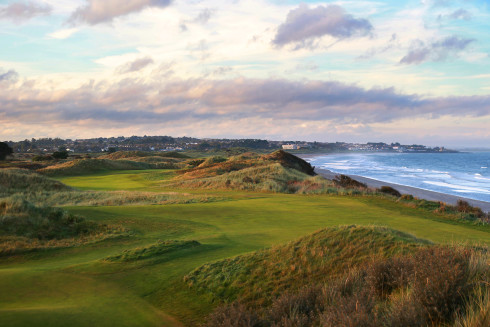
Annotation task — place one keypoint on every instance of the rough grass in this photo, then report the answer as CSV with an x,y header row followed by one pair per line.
x,y
153,250
135,154
426,286
24,226
166,160
115,198
461,211
272,178
89,166
259,277
212,160
23,180
24,185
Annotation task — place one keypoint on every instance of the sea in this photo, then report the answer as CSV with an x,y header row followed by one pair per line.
x,y
464,174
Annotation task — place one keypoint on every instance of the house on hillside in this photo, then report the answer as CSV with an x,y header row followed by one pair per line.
x,y
290,147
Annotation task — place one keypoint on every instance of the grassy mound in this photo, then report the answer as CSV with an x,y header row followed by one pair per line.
x,y
24,226
291,161
90,166
276,172
436,286
211,161
271,178
259,277
141,154
21,218
22,180
350,276
173,154
154,250
125,155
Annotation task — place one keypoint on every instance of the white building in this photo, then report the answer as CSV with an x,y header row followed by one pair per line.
x,y
290,147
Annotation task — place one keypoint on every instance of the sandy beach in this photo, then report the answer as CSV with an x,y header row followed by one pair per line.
x,y
417,192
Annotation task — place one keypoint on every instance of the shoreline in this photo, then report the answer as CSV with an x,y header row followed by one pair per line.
x,y
416,192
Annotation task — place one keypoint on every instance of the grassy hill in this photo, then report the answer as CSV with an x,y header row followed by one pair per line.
x,y
372,279
141,154
275,172
16,180
90,166
25,227
259,277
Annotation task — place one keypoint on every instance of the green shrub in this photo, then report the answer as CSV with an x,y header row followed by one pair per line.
x,y
60,155
389,190
42,158
347,182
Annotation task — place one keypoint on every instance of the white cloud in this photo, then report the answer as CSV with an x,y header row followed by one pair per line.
x,y
63,33
100,11
22,11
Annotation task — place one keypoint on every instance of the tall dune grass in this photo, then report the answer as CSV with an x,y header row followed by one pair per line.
x,y
352,276
26,227
22,180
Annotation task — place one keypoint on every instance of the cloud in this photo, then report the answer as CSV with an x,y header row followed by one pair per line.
x,y
134,66
202,18
461,14
442,3
22,11
63,34
392,43
9,76
101,11
222,70
304,24
436,51
134,102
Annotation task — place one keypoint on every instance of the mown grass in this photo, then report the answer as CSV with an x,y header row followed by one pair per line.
x,y
36,285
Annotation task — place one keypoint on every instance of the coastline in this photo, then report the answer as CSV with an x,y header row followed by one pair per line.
x,y
416,192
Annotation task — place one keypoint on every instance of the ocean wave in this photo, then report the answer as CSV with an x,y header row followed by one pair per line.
x,y
446,173
459,188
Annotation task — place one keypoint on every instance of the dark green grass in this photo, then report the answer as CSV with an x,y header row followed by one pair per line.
x,y
151,251
35,286
143,180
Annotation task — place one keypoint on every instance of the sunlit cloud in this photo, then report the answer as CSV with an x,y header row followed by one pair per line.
x,y
100,11
22,11
304,24
436,51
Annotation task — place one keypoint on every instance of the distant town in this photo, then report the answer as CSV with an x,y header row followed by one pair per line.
x,y
168,143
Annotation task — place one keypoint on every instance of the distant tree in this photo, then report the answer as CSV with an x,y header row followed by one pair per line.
x,y
60,154
5,150
204,146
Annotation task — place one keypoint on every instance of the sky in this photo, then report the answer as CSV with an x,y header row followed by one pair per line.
x,y
409,71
